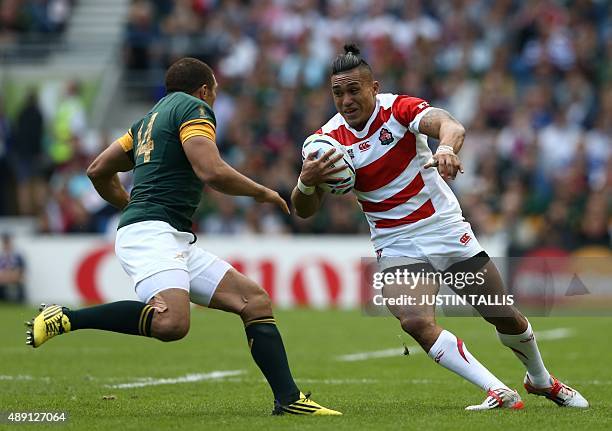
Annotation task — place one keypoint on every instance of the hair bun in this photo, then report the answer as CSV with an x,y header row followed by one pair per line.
x,y
351,48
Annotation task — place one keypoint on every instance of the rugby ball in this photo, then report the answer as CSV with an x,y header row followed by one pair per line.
x,y
344,180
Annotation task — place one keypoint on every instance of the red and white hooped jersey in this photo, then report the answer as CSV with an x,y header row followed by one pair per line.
x,y
396,194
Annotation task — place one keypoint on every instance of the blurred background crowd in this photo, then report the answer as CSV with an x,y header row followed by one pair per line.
x,y
24,20
530,80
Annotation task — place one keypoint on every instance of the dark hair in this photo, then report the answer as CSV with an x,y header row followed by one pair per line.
x,y
187,75
349,60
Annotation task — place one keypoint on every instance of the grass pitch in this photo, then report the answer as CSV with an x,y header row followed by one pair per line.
x,y
177,385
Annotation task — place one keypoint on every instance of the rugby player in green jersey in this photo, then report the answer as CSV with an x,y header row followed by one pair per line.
x,y
172,151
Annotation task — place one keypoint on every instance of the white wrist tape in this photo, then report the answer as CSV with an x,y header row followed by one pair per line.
x,y
445,149
307,190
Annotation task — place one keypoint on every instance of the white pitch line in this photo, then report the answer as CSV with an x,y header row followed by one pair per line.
x,y
550,334
554,334
308,381
189,378
337,381
24,377
18,377
376,354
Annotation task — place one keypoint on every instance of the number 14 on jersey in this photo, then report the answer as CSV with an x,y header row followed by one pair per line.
x,y
145,143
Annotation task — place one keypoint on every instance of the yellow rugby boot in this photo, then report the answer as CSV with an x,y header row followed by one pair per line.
x,y
51,321
304,406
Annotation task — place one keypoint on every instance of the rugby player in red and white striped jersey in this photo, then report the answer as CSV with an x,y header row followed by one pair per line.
x,y
416,223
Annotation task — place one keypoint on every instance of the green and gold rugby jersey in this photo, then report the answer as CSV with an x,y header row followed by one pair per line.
x,y
165,186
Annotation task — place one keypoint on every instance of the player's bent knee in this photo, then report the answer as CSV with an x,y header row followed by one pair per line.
x,y
242,296
259,304
171,329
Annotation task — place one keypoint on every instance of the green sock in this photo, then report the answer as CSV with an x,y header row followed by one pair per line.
x,y
269,354
126,317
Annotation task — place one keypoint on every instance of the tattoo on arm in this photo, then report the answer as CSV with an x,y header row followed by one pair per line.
x,y
432,121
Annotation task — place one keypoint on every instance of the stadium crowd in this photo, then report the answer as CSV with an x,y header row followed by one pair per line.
x,y
530,80
26,19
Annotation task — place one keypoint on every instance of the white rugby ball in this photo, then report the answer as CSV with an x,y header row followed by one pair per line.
x,y
344,180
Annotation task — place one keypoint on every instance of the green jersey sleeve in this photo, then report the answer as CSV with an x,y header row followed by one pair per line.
x,y
191,110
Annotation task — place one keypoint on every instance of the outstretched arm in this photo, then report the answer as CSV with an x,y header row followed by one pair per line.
x,y
103,174
439,124
208,165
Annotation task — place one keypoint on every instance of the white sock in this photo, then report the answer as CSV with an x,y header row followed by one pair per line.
x,y
526,349
450,352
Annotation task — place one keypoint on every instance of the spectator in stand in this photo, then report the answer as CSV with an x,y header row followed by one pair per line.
x,y
226,219
6,174
593,224
10,23
141,35
28,156
558,143
68,126
41,18
12,272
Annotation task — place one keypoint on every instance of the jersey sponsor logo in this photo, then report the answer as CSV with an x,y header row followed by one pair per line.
x,y
364,146
465,238
351,153
385,137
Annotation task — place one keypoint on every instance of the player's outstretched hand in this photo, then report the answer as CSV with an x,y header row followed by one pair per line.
x,y
448,165
270,196
316,171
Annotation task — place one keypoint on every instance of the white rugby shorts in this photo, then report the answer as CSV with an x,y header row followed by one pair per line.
x,y
157,257
441,247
